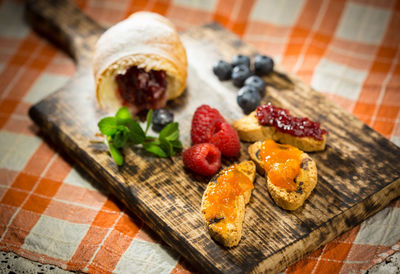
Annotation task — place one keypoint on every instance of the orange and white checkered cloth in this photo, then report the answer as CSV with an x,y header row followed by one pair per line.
x,y
50,212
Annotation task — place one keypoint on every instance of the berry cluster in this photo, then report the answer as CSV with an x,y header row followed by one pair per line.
x,y
252,86
211,136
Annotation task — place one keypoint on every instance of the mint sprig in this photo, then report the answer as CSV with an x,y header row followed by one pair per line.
x,y
122,129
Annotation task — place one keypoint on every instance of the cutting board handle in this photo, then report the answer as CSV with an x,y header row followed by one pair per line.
x,y
63,23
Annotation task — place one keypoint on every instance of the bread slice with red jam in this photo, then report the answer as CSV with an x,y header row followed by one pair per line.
x,y
224,201
270,122
292,194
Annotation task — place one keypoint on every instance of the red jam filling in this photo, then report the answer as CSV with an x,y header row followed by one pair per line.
x,y
141,88
280,118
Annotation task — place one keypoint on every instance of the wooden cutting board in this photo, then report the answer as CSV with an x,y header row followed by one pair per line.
x,y
358,172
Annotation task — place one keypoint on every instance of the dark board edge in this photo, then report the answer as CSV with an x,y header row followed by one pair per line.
x,y
345,222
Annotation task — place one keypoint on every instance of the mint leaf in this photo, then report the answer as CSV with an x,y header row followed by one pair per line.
x,y
176,144
123,128
155,149
120,137
149,117
136,133
123,116
116,154
166,146
108,125
170,132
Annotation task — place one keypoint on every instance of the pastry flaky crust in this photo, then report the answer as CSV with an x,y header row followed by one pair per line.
x,y
146,40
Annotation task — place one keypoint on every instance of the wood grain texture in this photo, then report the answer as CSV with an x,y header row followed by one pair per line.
x,y
358,173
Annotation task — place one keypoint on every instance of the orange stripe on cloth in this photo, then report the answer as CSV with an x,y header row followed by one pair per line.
x,y
379,82
135,6
305,265
185,17
10,75
6,213
20,126
58,170
21,221
25,181
311,36
115,245
161,6
7,107
39,160
239,19
223,11
35,65
87,248
106,219
28,203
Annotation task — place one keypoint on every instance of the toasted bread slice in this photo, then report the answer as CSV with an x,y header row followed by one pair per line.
x,y
249,130
226,232
306,180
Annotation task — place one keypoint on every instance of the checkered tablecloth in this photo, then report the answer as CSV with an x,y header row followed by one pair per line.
x,y
52,213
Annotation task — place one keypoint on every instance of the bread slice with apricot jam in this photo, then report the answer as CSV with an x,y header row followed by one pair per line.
x,y
224,201
288,193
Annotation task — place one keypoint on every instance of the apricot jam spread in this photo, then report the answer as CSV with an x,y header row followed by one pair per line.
x,y
230,184
280,118
282,163
142,88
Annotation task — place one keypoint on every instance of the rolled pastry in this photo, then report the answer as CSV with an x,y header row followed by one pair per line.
x,y
140,63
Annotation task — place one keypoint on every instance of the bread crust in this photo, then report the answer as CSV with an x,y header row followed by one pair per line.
x,y
230,236
306,180
146,40
249,130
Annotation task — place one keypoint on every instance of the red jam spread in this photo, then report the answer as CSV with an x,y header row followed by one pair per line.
x,y
230,184
280,118
282,163
142,88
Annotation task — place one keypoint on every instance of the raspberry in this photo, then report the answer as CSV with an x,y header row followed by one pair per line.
x,y
225,137
204,159
203,120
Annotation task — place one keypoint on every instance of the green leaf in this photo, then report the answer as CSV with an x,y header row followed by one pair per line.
x,y
167,147
170,132
176,144
108,126
148,119
120,137
116,154
136,133
123,116
155,149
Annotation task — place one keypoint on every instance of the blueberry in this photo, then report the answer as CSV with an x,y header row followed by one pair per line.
x,y
248,99
240,60
223,70
239,74
263,65
161,118
257,82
